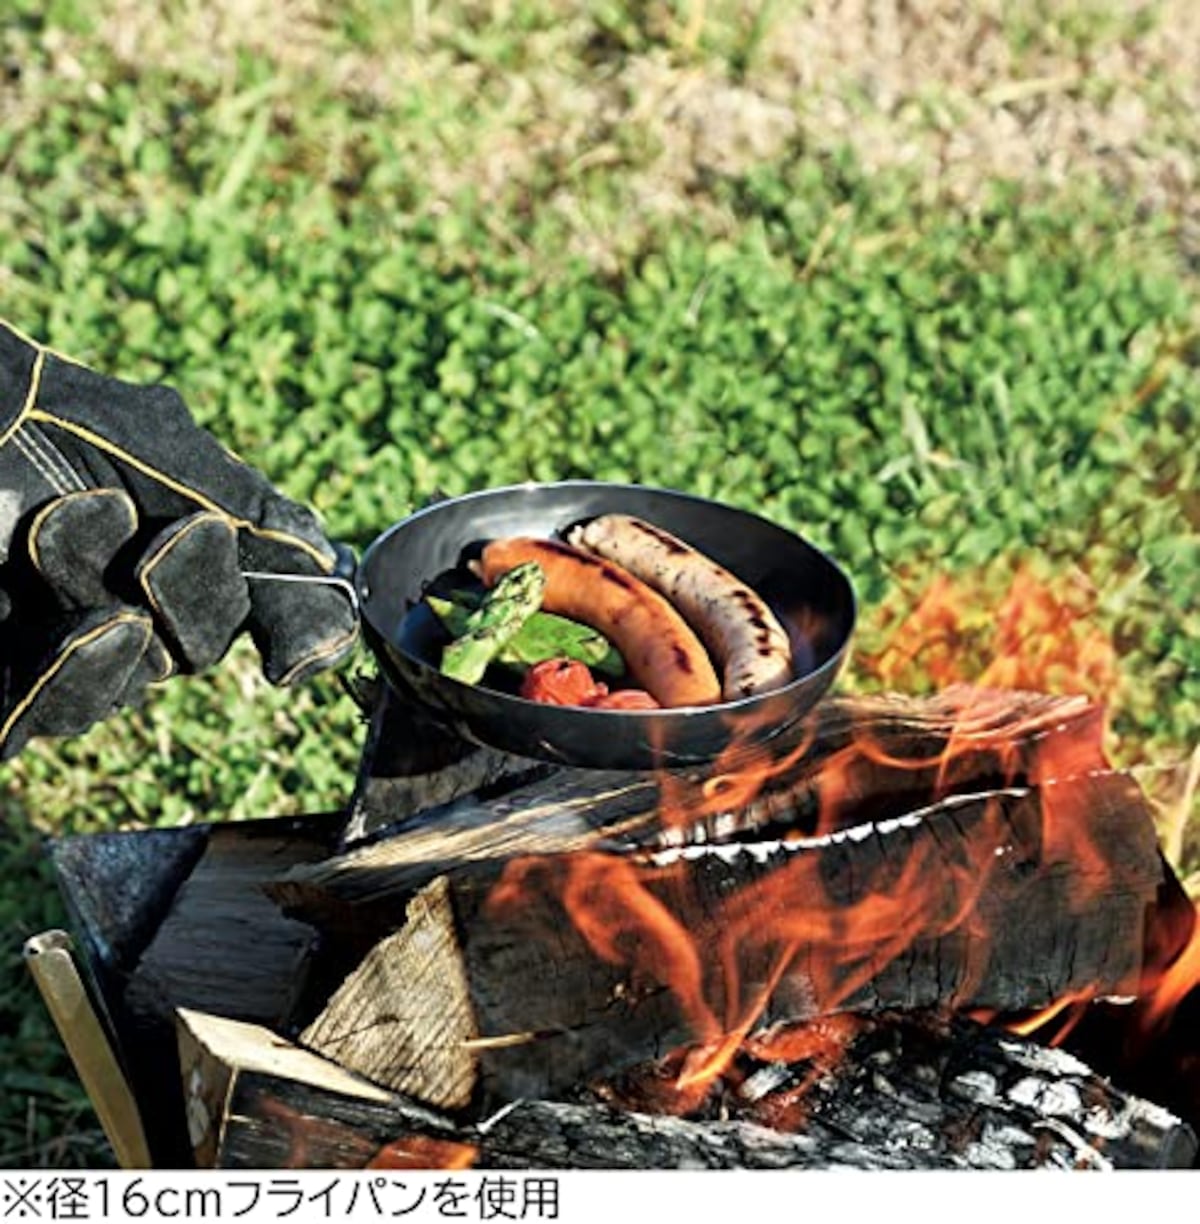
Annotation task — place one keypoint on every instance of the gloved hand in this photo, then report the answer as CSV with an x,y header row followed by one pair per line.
x,y
125,530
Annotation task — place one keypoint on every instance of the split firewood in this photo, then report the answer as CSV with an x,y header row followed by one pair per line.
x,y
366,889
255,1100
404,1017
856,759
577,965
907,1095
222,947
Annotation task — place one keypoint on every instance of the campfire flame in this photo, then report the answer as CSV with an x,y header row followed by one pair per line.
x,y
724,960
1039,635
1164,993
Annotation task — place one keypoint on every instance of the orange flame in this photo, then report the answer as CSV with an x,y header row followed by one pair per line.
x,y
1071,1006
725,960
1163,995
1039,635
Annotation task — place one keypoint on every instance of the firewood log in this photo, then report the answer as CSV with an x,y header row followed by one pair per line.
x,y
222,946
911,1094
857,758
973,902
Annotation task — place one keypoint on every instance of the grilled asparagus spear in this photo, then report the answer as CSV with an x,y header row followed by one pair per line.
x,y
491,626
543,636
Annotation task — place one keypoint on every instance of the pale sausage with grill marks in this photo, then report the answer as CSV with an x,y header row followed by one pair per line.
x,y
743,635
661,653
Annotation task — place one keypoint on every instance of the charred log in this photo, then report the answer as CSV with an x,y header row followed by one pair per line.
x,y
857,759
960,1094
907,1096
975,902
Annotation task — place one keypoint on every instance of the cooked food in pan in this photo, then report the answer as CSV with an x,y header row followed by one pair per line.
x,y
568,682
491,626
543,636
624,598
662,654
742,634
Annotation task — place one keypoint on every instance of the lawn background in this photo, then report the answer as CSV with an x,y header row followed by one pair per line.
x,y
918,281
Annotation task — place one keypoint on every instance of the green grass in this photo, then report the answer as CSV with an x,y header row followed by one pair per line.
x,y
328,271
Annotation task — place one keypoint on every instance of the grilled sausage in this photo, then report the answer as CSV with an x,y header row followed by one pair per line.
x,y
748,643
661,653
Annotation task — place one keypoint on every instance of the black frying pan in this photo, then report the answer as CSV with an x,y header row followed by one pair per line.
x,y
807,591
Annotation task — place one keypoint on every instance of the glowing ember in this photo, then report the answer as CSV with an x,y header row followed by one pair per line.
x,y
423,1152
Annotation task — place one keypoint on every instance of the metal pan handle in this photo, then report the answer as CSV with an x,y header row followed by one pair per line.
x,y
343,576
312,579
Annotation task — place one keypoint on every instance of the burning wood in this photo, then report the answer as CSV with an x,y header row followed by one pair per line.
x,y
857,759
577,965
931,1092
906,1094
638,946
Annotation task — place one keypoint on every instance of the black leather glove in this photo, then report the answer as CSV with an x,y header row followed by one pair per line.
x,y
125,531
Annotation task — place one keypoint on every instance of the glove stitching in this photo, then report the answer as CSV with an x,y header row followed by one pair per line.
x,y
166,669
325,563
324,651
78,643
42,349
53,478
35,385
52,456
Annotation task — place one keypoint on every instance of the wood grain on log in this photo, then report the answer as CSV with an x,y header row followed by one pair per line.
x,y
222,947
403,1017
254,1100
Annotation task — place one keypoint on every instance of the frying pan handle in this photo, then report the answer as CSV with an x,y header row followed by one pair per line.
x,y
343,575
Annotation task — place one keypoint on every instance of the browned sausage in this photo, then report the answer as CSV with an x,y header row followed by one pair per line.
x,y
743,635
661,653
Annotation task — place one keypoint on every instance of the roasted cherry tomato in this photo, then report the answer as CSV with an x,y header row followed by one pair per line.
x,y
561,682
